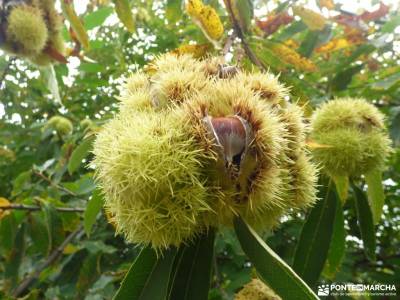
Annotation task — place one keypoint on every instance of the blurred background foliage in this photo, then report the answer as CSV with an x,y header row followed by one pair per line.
x,y
55,241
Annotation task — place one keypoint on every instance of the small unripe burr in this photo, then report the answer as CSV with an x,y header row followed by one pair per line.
x,y
355,137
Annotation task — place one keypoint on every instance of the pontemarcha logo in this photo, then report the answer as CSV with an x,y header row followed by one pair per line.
x,y
323,290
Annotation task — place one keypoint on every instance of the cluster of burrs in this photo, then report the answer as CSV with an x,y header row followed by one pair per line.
x,y
196,143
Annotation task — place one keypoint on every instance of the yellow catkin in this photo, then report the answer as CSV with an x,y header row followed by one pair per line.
x,y
292,57
206,17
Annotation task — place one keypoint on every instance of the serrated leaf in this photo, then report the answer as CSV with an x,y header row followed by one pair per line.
x,y
316,235
76,23
93,208
271,268
124,13
376,195
193,271
148,277
365,222
79,154
337,246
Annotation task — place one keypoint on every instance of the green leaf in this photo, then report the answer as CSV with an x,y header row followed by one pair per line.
x,y
193,271
79,154
272,269
76,23
92,210
148,277
88,274
316,235
337,246
313,39
8,231
173,11
21,182
365,223
376,195
310,41
343,78
387,82
124,12
13,263
39,233
53,225
49,76
289,31
342,187
391,25
97,17
243,9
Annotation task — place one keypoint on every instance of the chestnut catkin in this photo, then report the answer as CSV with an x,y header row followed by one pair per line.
x,y
354,134
193,146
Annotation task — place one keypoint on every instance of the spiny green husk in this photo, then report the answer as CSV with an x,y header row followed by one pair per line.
x,y
26,31
256,290
60,124
149,169
355,137
33,30
163,173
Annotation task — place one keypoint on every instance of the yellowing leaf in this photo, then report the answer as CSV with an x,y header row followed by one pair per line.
x,y
326,3
124,13
290,56
75,22
197,51
342,187
334,45
70,248
206,18
274,22
291,44
313,20
7,153
4,203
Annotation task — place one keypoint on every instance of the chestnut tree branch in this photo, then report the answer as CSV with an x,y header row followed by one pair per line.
x,y
38,208
23,287
239,32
